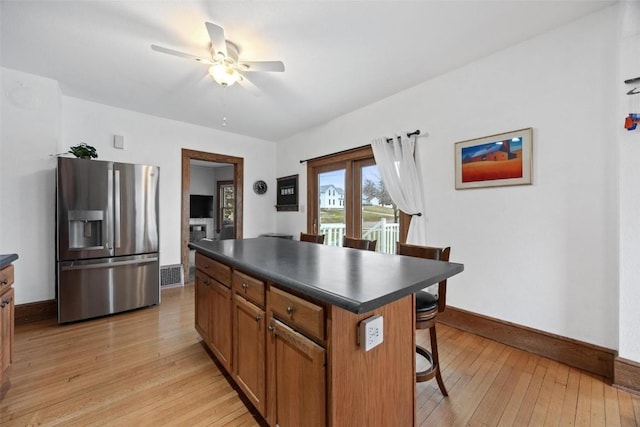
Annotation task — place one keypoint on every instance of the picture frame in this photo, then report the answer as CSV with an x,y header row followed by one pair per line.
x,y
287,193
494,161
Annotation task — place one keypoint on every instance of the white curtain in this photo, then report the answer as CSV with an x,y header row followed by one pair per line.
x,y
397,166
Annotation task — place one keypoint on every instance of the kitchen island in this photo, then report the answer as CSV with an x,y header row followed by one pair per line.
x,y
7,309
282,317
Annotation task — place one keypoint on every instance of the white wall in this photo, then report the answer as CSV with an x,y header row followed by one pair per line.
x,y
224,173
544,255
629,187
203,181
30,135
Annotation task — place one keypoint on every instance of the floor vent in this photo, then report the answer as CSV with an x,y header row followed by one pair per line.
x,y
171,276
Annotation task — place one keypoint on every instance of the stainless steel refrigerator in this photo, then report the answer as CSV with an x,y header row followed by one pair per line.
x,y
107,257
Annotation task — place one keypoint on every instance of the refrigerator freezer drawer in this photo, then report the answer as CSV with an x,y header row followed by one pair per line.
x,y
99,287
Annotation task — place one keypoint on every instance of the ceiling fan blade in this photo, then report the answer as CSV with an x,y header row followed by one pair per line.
x,y
262,66
218,40
181,54
245,83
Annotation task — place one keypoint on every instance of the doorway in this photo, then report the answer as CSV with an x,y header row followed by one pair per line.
x,y
238,173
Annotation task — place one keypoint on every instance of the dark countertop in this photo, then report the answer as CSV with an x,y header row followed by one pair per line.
x,y
358,281
6,259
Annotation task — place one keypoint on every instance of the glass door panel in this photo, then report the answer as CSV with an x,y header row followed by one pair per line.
x,y
225,210
331,206
379,217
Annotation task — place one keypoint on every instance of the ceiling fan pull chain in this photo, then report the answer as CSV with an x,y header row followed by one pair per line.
x,y
224,106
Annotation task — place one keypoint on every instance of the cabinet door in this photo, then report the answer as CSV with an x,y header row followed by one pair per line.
x,y
202,298
249,361
220,327
6,331
300,380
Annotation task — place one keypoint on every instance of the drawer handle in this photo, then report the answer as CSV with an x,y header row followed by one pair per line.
x,y
5,302
258,318
289,309
245,286
4,281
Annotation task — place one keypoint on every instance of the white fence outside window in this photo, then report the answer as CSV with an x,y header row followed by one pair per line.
x,y
386,234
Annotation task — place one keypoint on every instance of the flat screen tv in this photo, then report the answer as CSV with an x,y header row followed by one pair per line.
x,y
201,206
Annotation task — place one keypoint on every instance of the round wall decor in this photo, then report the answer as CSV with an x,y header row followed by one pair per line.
x,y
260,187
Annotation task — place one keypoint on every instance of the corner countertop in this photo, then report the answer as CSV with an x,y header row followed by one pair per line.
x,y
6,259
355,280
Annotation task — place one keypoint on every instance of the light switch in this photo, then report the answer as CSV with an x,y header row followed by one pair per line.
x,y
118,141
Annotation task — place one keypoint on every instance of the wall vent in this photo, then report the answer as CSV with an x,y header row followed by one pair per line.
x,y
171,276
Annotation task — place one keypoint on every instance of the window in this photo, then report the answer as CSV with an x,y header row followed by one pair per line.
x,y
226,203
356,202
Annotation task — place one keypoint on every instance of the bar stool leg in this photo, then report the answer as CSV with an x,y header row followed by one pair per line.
x,y
436,359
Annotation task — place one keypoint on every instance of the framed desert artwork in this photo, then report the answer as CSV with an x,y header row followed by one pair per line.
x,y
496,160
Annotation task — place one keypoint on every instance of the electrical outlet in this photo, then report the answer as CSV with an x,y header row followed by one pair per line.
x,y
370,332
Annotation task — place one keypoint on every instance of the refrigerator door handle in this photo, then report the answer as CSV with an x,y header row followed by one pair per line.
x,y
107,264
116,222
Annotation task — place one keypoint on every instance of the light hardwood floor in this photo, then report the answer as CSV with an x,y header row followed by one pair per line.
x,y
147,367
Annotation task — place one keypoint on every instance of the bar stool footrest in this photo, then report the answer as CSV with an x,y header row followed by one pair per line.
x,y
430,372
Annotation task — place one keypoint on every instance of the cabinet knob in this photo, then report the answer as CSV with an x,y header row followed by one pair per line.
x,y
258,318
245,286
4,281
289,309
270,328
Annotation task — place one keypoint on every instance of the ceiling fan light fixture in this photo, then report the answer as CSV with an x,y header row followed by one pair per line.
x,y
223,74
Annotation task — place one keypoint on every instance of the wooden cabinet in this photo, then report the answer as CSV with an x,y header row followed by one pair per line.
x,y
215,269
213,307
220,332
297,378
249,336
249,287
7,305
297,360
249,356
297,312
202,305
283,373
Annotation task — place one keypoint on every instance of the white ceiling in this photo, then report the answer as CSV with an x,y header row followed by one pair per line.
x,y
339,55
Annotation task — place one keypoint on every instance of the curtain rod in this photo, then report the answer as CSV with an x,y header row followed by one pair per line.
x,y
409,135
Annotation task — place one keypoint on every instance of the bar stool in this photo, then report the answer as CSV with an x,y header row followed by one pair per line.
x,y
428,306
313,238
351,242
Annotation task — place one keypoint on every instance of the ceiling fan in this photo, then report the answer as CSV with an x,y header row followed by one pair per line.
x,y
225,68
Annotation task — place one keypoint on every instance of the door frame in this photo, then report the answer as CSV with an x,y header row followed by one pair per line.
x,y
328,162
238,173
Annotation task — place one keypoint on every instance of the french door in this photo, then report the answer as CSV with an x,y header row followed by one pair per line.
x,y
346,196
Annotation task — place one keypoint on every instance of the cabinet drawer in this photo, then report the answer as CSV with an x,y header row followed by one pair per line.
x,y
297,312
6,278
249,287
215,269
